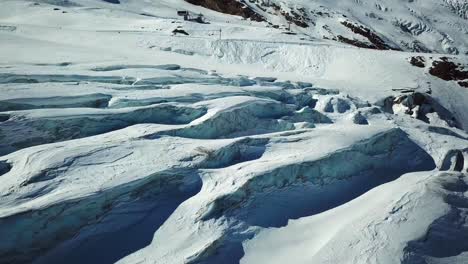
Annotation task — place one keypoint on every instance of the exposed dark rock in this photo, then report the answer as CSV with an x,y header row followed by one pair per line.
x,y
463,84
354,42
112,1
377,42
179,31
230,7
296,18
418,61
448,70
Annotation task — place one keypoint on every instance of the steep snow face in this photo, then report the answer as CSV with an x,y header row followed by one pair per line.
x,y
241,142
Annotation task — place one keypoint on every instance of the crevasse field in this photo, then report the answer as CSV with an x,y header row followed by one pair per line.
x,y
281,131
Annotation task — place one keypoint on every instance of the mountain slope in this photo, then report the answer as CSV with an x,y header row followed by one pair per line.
x,y
421,26
123,140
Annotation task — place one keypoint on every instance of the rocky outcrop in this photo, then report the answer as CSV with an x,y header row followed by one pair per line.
x,y
230,7
377,42
418,61
449,70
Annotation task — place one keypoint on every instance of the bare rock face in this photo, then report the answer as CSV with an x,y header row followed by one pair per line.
x,y
377,42
449,70
230,7
445,68
418,61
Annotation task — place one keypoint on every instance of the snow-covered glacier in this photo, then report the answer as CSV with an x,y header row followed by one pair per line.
x,y
204,131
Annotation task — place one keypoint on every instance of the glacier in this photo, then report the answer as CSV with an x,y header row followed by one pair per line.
x,y
275,131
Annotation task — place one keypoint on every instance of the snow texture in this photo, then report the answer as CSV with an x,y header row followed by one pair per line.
x,y
245,141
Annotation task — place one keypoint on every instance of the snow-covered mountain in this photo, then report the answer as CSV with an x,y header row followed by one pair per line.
x,y
421,26
273,131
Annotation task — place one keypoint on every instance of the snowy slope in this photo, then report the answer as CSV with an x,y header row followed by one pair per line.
x,y
424,26
122,142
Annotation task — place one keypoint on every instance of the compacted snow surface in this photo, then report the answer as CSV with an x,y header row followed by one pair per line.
x,y
241,142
